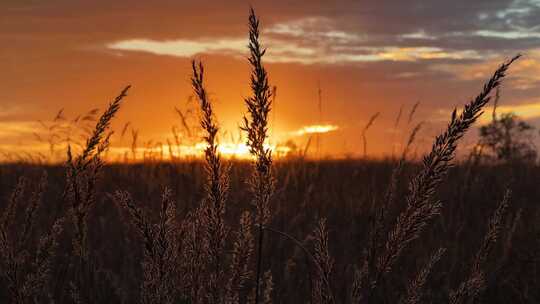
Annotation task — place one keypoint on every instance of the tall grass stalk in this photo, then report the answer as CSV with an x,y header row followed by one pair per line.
x,y
416,287
324,264
82,174
161,247
422,206
216,188
256,126
475,284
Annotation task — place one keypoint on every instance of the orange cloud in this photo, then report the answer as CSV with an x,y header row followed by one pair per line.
x,y
315,129
525,111
525,72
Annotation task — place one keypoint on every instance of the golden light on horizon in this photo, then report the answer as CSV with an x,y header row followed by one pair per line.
x,y
227,150
283,143
524,111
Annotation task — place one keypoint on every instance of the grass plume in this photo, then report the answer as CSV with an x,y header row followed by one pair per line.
x,y
216,188
422,206
256,127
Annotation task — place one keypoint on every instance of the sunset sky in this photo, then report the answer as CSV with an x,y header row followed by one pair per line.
x,y
366,57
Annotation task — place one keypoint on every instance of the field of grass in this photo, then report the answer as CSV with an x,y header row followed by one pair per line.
x,y
347,194
271,231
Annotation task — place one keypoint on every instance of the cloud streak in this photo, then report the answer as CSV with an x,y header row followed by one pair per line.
x,y
315,129
181,47
283,51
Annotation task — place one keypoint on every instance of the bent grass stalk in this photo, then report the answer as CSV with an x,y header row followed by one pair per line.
x,y
81,177
366,128
422,206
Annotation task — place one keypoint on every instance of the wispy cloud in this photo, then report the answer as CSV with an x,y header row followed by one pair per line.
x,y
525,111
13,129
289,51
315,129
307,40
181,47
420,34
314,28
515,34
7,112
525,72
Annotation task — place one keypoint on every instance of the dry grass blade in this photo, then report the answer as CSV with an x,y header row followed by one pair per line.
x,y
134,143
195,257
398,117
510,236
240,260
183,120
124,129
366,128
496,104
394,131
375,245
416,287
256,126
160,247
412,112
421,203
476,282
32,208
82,174
469,289
410,141
216,188
13,202
137,218
324,264
492,235
103,124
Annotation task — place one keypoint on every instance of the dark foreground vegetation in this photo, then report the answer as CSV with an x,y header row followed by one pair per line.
x,y
345,192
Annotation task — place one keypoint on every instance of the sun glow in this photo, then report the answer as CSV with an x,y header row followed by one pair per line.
x,y
227,150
